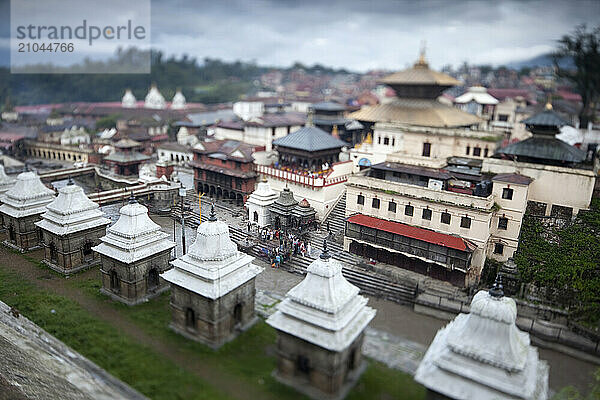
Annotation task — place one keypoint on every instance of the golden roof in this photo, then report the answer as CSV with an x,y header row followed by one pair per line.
x,y
420,74
419,112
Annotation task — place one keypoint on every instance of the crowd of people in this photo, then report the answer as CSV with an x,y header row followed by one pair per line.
x,y
289,245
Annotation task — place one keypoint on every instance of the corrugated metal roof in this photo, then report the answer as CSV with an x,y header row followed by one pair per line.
x,y
310,138
418,112
513,178
414,232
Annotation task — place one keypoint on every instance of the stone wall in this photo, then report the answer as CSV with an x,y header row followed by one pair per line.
x,y
133,279
215,320
70,254
27,235
331,373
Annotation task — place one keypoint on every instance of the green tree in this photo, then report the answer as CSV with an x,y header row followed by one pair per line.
x,y
583,48
110,121
570,393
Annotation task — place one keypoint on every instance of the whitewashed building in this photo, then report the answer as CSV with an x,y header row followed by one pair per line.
x,y
71,226
483,355
476,100
22,207
212,287
134,253
320,326
258,204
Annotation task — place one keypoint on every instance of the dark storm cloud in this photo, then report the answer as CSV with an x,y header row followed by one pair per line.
x,y
363,35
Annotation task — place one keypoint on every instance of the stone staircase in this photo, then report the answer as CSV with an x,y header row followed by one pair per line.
x,y
369,282
337,216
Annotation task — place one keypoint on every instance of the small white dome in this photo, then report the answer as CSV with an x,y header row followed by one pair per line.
x,y
154,99
178,102
212,241
128,100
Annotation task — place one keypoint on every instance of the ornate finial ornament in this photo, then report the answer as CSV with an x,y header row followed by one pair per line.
x,y
422,61
213,214
497,290
70,181
548,105
309,118
325,254
132,199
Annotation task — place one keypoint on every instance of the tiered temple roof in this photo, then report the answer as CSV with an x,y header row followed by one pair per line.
x,y
28,196
72,211
134,236
323,309
483,355
6,182
303,210
263,195
310,139
213,266
285,203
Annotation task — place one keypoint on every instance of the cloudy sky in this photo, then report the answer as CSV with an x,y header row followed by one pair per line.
x,y
358,35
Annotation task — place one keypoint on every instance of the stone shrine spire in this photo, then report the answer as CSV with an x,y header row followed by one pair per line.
x,y
483,355
128,100
178,102
6,182
154,99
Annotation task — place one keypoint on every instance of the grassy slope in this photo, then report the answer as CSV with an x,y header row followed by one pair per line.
x,y
250,357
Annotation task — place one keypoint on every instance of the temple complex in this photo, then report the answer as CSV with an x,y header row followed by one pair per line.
x,y
134,253
22,207
71,226
212,287
126,159
320,329
483,355
258,204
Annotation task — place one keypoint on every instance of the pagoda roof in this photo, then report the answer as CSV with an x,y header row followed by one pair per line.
x,y
213,266
478,94
417,112
483,355
127,143
134,236
303,209
121,157
72,211
547,118
544,148
6,182
328,106
310,138
419,74
286,199
28,196
324,309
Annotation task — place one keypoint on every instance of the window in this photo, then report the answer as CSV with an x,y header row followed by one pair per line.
x,y
378,139
468,150
392,206
503,117
502,223
272,131
426,149
477,151
386,141
409,210
375,203
360,199
190,318
498,248
465,222
485,152
427,214
507,193
303,364
393,141
445,218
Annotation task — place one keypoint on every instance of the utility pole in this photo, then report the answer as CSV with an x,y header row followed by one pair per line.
x,y
182,196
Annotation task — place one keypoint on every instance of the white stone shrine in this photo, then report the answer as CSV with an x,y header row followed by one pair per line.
x,y
22,206
154,99
71,226
212,287
134,252
483,355
6,182
320,326
178,102
128,100
258,204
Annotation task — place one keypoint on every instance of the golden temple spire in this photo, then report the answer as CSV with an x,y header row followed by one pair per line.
x,y
422,62
549,103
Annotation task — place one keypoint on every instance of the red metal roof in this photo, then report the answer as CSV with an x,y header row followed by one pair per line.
x,y
414,232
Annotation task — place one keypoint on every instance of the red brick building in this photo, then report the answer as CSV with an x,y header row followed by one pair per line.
x,y
224,169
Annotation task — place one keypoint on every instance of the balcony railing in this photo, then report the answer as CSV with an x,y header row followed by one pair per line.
x,y
298,178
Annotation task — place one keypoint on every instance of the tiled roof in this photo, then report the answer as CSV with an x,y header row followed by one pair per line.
x,y
238,173
414,232
513,178
418,112
412,170
310,138
126,157
546,118
277,119
231,149
328,106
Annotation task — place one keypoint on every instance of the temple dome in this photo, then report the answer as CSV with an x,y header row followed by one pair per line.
x,y
28,196
178,102
72,211
213,242
263,190
154,99
128,100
